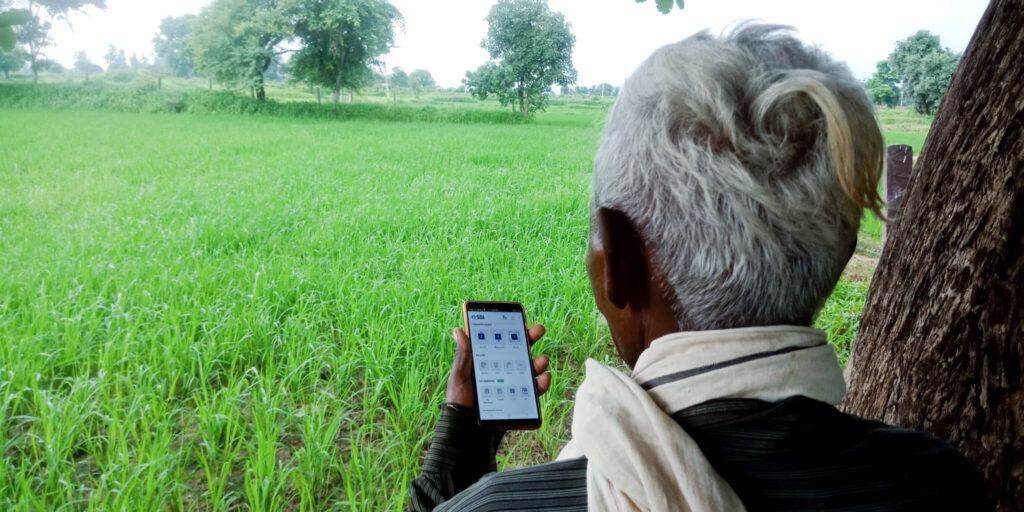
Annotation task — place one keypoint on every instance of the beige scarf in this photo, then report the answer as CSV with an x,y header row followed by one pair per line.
x,y
639,459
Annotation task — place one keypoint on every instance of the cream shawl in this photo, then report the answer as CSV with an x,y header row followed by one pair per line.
x,y
638,456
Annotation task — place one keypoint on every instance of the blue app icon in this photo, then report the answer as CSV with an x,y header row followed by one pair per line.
x,y
515,337
479,335
497,336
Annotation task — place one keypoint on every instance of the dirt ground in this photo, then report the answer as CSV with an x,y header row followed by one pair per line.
x,y
860,268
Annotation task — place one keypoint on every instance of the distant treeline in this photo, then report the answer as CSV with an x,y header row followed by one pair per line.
x,y
150,99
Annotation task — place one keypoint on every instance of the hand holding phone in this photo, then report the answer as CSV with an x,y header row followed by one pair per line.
x,y
508,371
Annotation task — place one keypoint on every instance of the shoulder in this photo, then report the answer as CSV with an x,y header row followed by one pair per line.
x,y
802,454
560,485
909,466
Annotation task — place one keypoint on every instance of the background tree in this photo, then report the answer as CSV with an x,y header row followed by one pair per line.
x,y
925,68
50,65
9,18
12,61
170,42
884,85
399,78
86,66
137,62
939,344
421,80
531,50
235,41
115,59
35,33
341,41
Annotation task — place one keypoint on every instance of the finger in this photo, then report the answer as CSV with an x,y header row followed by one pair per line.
x,y
536,332
461,339
462,365
543,383
540,364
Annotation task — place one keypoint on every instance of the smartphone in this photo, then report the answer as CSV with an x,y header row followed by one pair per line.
x,y
503,378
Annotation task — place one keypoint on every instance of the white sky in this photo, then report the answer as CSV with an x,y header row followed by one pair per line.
x,y
612,36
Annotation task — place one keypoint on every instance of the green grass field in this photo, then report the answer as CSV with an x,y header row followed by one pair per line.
x,y
205,312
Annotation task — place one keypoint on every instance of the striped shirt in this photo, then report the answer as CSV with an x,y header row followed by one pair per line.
x,y
796,455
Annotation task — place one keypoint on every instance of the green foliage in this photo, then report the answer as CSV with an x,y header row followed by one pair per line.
x,y
398,77
35,35
235,41
883,85
421,79
148,99
115,59
48,65
63,7
665,6
170,44
34,32
840,317
531,50
935,72
925,68
12,61
8,20
341,40
84,65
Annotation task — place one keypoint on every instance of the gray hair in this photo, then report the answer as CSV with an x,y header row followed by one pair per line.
x,y
745,161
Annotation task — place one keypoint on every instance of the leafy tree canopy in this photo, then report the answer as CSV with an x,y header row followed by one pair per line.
x,y
235,41
341,40
115,59
924,68
12,61
85,65
63,7
531,50
884,85
170,42
665,6
398,77
421,79
8,20
34,32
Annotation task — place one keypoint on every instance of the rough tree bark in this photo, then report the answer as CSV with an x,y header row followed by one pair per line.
x,y
940,340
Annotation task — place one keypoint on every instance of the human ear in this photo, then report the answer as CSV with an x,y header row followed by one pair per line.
x,y
624,273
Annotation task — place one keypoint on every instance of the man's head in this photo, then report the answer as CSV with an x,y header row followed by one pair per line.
x,y
729,186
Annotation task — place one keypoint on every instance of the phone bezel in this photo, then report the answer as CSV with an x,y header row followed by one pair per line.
x,y
499,306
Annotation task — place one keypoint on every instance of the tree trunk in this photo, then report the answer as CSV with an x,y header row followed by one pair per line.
x,y
318,94
522,102
336,95
209,83
941,337
350,95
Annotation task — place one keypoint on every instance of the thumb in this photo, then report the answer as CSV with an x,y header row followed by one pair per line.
x,y
463,363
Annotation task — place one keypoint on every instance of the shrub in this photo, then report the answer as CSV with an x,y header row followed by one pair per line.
x,y
147,98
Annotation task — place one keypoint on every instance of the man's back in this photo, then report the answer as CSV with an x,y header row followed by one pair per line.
x,y
799,454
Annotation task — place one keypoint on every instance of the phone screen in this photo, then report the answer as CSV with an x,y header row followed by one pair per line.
x,y
502,367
